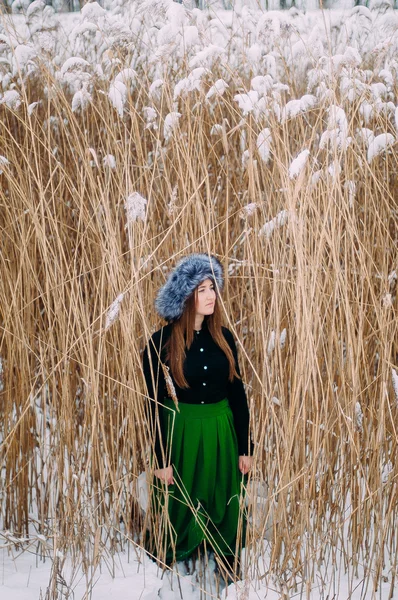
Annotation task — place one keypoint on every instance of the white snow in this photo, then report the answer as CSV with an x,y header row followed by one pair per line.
x,y
394,376
113,311
262,84
392,277
170,124
216,129
387,300
271,342
81,100
23,54
92,11
3,162
379,145
218,89
247,102
150,116
155,88
207,56
294,108
351,188
12,99
264,140
268,228
366,135
190,83
109,161
74,63
298,164
32,107
135,206
36,6
118,96
126,76
358,417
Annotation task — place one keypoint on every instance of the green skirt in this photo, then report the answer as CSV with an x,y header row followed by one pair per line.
x,y
205,501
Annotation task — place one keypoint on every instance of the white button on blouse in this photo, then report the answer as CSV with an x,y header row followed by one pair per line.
x,y
201,349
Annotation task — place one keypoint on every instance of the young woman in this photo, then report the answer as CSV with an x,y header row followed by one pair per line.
x,y
201,436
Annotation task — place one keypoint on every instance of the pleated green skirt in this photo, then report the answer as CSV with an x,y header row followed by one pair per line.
x,y
204,503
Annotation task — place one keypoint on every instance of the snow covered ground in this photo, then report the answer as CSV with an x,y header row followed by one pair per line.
x,y
131,576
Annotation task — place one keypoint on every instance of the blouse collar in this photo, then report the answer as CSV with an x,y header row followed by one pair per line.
x,y
204,327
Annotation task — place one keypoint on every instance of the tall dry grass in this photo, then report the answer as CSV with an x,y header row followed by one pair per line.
x,y
324,412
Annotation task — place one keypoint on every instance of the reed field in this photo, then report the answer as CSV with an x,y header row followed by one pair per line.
x,y
132,137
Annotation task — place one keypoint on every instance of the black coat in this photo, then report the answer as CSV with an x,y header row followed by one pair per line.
x,y
206,369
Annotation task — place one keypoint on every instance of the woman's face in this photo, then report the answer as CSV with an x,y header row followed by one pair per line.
x,y
205,298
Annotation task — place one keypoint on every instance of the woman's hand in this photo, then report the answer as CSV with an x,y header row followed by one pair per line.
x,y
245,464
165,475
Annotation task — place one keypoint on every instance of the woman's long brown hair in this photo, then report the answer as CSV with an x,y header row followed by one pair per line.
x,y
181,338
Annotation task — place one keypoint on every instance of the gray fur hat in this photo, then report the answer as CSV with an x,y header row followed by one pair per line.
x,y
189,272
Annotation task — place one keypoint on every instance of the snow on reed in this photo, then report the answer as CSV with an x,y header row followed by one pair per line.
x,y
379,145
294,108
298,164
268,228
263,143
126,76
394,376
351,188
247,102
392,277
248,210
337,130
74,63
3,163
11,99
113,311
190,83
118,95
23,57
365,135
31,107
172,205
358,417
81,100
216,129
387,300
151,118
109,161
386,471
207,57
135,207
271,342
218,89
155,88
170,124
93,11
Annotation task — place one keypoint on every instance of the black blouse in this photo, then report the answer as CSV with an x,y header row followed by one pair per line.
x,y
206,369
